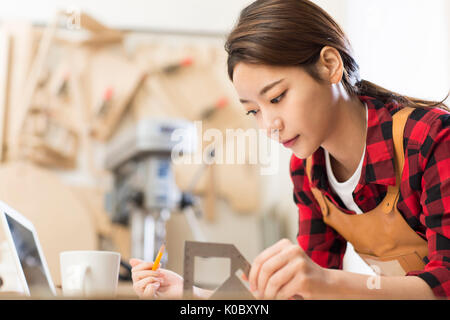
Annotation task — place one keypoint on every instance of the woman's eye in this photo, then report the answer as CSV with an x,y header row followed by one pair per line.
x,y
278,99
253,112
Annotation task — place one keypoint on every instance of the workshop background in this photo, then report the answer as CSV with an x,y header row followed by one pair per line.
x,y
84,82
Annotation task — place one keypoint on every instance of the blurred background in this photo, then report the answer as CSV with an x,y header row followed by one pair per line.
x,y
91,92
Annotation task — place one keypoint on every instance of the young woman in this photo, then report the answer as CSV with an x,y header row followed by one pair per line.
x,y
369,166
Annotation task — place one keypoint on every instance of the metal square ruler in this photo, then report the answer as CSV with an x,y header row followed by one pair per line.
x,y
233,288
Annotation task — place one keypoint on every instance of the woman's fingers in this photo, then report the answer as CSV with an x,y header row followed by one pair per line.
x,y
142,266
141,286
139,275
283,278
134,262
289,290
263,257
146,282
270,267
151,289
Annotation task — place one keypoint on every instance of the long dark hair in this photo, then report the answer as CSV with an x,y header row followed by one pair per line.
x,y
293,33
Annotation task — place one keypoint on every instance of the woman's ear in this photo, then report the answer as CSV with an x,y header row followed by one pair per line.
x,y
330,65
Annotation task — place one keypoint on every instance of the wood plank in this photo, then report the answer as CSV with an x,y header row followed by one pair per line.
x,y
5,60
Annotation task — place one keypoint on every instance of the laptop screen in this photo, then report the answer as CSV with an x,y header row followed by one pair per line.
x,y
29,257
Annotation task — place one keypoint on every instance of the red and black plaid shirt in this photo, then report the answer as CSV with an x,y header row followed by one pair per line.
x,y
424,192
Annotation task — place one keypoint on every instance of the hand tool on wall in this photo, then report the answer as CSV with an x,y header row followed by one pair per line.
x,y
171,68
210,111
63,85
112,92
106,102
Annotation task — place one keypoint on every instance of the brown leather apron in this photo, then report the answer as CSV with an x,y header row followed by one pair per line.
x,y
381,236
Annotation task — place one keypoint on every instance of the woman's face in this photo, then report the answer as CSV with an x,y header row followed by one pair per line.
x,y
287,99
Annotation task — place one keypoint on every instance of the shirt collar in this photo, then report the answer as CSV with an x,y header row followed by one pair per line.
x,y
378,165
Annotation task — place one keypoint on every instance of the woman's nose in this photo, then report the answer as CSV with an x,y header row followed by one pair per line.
x,y
274,127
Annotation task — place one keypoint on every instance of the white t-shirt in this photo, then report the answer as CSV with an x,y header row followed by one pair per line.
x,y
352,261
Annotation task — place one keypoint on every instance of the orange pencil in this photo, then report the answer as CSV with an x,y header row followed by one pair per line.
x,y
158,257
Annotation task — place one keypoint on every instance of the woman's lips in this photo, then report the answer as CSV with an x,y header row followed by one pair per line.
x,y
291,142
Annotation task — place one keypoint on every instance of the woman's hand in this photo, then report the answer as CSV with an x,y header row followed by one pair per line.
x,y
159,284
284,271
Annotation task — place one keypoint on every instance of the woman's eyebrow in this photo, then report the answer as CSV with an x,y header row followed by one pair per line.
x,y
269,86
265,89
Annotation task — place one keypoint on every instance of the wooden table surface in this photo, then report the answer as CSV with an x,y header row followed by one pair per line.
x,y
124,292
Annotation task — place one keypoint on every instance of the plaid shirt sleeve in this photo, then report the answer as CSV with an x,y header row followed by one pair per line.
x,y
435,201
321,242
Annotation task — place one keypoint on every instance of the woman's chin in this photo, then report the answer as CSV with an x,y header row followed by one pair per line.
x,y
302,153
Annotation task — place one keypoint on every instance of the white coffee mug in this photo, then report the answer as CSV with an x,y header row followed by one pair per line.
x,y
89,273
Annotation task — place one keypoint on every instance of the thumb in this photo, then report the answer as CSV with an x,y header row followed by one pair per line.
x,y
134,262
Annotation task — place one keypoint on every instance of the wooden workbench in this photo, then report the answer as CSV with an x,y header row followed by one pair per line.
x,y
124,292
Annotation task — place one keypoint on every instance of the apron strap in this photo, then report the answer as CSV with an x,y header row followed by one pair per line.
x,y
398,128
316,192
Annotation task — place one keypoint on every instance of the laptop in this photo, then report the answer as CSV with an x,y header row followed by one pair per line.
x,y
27,253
